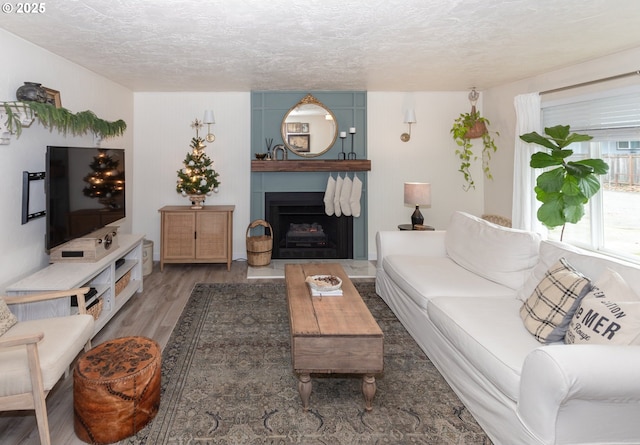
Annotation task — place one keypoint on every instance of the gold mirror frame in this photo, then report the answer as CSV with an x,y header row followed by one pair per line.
x,y
309,128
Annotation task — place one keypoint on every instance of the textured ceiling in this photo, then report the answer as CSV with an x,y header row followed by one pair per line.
x,y
376,45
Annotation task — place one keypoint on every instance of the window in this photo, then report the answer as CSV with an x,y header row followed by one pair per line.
x,y
612,218
628,145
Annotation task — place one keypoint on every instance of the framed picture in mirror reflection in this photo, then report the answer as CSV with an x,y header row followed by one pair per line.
x,y
297,127
299,141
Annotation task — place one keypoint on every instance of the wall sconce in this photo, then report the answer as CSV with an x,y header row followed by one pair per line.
x,y
417,194
209,119
409,118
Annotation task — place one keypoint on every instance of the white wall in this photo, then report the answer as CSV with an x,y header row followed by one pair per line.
x,y
163,134
498,107
22,246
162,138
428,157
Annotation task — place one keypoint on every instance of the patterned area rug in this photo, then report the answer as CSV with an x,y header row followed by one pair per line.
x,y
227,379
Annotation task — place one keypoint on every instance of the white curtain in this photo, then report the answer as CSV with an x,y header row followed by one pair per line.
x,y
525,206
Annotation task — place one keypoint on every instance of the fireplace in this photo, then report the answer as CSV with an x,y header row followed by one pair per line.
x,y
302,229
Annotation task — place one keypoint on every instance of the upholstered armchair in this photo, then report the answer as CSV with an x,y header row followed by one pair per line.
x,y
34,354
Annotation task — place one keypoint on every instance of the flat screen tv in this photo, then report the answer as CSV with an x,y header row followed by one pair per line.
x,y
85,191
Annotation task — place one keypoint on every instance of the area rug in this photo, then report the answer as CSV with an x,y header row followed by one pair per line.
x,y
227,379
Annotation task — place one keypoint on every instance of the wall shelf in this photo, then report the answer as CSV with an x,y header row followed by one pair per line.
x,y
319,165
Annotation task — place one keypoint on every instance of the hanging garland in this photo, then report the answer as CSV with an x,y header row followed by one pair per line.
x,y
60,118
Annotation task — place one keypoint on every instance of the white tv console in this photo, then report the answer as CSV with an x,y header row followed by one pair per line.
x,y
101,275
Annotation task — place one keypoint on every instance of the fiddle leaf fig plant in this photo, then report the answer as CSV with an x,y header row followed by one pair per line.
x,y
563,190
466,127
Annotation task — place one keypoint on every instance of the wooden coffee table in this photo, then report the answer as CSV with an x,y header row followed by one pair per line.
x,y
331,334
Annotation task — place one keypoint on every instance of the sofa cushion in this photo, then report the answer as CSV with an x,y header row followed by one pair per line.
x,y
609,314
615,287
63,338
489,333
549,309
590,264
423,278
7,319
500,254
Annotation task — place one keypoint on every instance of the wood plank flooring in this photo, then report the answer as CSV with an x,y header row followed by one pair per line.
x,y
152,313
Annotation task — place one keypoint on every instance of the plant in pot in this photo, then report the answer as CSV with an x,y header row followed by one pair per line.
x,y
470,126
565,189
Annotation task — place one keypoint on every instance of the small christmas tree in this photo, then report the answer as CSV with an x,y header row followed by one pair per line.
x,y
105,182
197,178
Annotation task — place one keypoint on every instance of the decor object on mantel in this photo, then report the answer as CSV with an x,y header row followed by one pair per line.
x,y
31,91
417,194
564,190
197,179
471,126
34,101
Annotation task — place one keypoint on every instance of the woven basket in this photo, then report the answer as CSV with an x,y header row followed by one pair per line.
x,y
96,309
122,282
259,247
479,127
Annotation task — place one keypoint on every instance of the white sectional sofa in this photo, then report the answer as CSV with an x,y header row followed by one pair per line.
x,y
459,293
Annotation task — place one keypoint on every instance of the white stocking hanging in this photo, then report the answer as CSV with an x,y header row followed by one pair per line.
x,y
345,196
354,200
329,195
336,199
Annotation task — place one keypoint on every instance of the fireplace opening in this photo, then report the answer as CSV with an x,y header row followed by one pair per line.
x,y
302,229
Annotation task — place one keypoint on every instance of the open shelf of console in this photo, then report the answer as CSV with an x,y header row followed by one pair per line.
x,y
105,275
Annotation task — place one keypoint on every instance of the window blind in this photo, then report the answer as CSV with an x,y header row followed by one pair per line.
x,y
605,118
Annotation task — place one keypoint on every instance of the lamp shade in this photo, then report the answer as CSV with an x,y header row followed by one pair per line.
x,y
417,193
208,117
410,116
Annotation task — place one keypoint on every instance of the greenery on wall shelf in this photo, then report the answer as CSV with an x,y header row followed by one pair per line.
x,y
565,189
61,119
470,126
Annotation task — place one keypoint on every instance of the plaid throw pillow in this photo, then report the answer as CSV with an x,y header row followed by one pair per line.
x,y
548,311
7,319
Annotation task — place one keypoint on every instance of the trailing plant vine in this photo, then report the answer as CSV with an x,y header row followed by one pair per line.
x,y
463,131
61,119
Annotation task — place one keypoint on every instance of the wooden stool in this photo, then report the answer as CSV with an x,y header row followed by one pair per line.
x,y
116,389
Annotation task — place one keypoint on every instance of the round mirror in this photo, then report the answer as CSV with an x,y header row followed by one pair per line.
x,y
309,128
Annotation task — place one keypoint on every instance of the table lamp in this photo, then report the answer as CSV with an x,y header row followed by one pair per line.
x,y
417,194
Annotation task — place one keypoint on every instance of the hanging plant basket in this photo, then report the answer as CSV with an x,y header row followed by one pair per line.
x,y
478,129
472,126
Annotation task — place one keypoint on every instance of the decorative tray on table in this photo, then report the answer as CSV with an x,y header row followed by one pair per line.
x,y
324,283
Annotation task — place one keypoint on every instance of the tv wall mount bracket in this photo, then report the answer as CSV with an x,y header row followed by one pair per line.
x,y
27,177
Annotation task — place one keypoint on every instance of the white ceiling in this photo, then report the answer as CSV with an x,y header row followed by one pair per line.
x,y
376,45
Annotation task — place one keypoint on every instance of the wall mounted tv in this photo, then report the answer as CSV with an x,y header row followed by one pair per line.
x,y
85,190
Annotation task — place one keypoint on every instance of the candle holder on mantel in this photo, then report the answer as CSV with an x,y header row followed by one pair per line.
x,y
342,155
352,154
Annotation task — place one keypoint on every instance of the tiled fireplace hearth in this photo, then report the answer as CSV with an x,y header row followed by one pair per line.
x,y
302,229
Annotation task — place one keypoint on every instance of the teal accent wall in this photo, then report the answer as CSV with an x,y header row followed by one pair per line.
x,y
267,111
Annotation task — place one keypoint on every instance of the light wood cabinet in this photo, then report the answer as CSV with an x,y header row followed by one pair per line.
x,y
196,236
